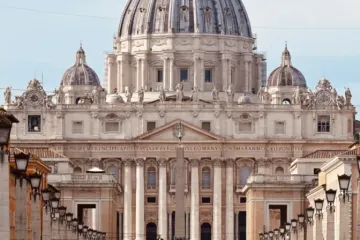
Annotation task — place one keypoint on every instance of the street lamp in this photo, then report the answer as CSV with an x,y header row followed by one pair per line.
x,y
271,234
57,194
35,180
310,215
294,224
6,121
330,198
344,182
74,223
282,231
54,203
318,206
104,236
301,220
276,233
21,164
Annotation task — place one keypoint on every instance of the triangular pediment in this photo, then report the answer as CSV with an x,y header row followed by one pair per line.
x,y
168,131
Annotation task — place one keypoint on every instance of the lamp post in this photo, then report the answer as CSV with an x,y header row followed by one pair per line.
x,y
294,225
344,182
330,198
318,206
35,180
276,233
282,231
21,164
310,215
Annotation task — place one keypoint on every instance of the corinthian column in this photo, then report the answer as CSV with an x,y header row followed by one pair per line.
x,y
217,201
165,73
194,218
162,200
138,74
171,73
229,199
127,200
197,74
140,222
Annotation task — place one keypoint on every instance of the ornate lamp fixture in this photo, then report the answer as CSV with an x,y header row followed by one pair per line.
x,y
318,206
301,220
287,227
276,233
310,215
344,182
45,193
89,233
85,230
294,225
54,203
6,121
74,223
35,180
21,164
282,231
62,213
271,234
57,194
80,227
330,198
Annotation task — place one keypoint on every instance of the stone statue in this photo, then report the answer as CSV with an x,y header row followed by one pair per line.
x,y
115,91
340,102
195,94
7,95
215,94
58,96
128,94
48,102
179,92
309,101
19,102
162,95
297,96
348,97
229,94
141,95
95,96
334,95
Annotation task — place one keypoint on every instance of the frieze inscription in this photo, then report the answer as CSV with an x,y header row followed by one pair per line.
x,y
172,147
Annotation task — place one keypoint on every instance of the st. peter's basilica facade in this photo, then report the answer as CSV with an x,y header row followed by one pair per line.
x,y
189,63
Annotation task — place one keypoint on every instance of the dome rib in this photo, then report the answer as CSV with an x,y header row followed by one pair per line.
x,y
227,17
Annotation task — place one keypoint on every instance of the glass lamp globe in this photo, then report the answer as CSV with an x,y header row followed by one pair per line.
x,y
21,161
319,204
344,182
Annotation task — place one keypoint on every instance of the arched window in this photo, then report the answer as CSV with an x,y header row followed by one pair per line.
x,y
114,171
206,180
244,175
279,171
77,170
151,178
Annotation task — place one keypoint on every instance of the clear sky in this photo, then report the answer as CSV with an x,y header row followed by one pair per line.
x,y
41,37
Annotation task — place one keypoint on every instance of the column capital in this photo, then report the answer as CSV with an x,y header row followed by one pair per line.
x,y
194,162
140,161
162,162
229,162
127,161
217,162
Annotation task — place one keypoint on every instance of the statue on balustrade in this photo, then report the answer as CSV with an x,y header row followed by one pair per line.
x,y
297,95
95,96
179,92
162,94
230,94
48,102
58,95
309,100
19,102
340,102
348,97
215,94
195,94
128,94
141,95
7,95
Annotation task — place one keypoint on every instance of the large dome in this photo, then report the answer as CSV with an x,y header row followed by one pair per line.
x,y
80,73
286,74
176,16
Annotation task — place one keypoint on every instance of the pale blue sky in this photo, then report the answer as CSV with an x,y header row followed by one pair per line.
x,y
38,41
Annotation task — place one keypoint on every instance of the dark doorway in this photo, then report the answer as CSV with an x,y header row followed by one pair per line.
x,y
172,225
80,211
242,225
205,231
283,213
151,231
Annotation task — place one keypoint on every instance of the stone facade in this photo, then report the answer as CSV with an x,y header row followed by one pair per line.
x,y
241,132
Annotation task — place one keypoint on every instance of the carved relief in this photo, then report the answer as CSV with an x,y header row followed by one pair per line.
x,y
162,113
208,42
206,217
151,217
138,43
127,162
195,113
159,42
60,115
151,162
162,162
182,41
217,162
140,162
217,113
230,43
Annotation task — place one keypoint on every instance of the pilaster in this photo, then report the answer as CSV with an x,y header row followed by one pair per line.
x,y
194,218
229,199
140,221
20,210
330,226
127,200
35,220
162,208
217,223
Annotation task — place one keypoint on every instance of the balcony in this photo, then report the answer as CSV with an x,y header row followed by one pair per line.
x,y
267,179
172,188
83,179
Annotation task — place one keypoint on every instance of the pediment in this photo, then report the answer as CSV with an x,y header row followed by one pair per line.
x,y
168,131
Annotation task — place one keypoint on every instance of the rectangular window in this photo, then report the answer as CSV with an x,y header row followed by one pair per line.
x,y
206,126
150,126
350,125
159,75
208,75
183,74
34,123
206,200
323,124
245,127
279,127
112,127
77,127
242,199
151,199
